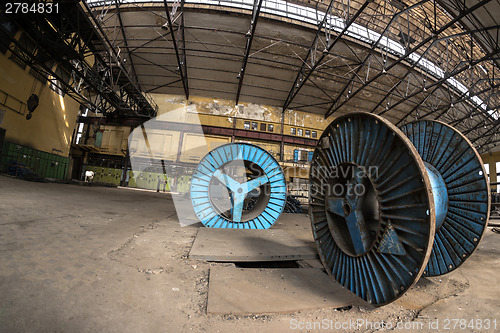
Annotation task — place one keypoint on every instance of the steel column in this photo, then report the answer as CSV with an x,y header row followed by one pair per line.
x,y
180,53
250,34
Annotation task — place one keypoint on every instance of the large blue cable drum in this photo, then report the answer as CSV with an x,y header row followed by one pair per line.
x,y
388,205
239,186
371,207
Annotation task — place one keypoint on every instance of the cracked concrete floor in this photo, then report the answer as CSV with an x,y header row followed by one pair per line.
x,y
94,259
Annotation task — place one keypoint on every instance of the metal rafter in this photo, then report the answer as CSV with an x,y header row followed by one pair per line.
x,y
490,141
488,42
370,53
132,96
482,123
307,68
180,50
69,38
493,129
442,80
92,101
125,41
408,73
336,105
464,97
257,4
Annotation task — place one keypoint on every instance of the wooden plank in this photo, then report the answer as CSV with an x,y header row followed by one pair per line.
x,y
232,245
276,290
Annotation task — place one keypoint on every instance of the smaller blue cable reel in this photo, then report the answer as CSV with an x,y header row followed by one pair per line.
x,y
238,186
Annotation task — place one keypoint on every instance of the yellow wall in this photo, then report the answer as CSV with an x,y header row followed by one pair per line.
x,y
159,144
114,139
51,127
195,146
226,111
164,143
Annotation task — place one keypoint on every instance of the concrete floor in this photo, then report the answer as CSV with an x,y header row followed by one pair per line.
x,y
95,259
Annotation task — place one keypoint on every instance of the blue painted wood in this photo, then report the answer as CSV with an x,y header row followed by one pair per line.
x,y
212,167
462,196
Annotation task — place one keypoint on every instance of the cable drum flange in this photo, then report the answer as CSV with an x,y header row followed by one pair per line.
x,y
238,185
375,236
459,165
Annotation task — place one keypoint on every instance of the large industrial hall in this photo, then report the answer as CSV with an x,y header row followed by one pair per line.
x,y
249,166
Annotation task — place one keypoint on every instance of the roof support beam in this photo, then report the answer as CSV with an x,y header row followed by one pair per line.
x,y
482,123
447,107
125,40
179,42
366,60
463,98
104,84
442,80
257,4
390,92
310,63
490,140
485,134
338,104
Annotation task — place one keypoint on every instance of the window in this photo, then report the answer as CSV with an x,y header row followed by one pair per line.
x,y
498,170
246,125
308,133
293,131
300,155
270,128
300,132
487,169
254,126
314,134
263,127
80,129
